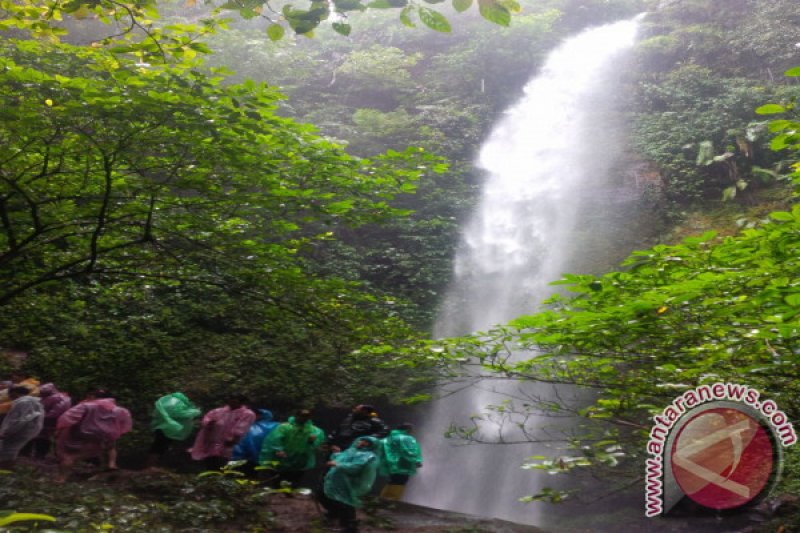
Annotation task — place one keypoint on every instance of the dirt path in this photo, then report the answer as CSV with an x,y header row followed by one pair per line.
x,y
299,514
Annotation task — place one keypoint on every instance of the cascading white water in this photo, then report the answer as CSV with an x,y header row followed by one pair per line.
x,y
543,160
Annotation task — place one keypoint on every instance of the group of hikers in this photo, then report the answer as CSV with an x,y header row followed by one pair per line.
x,y
359,450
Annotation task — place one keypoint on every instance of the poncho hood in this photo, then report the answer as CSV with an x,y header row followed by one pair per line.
x,y
48,389
104,403
373,443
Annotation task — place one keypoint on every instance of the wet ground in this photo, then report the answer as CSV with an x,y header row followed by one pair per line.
x,y
300,514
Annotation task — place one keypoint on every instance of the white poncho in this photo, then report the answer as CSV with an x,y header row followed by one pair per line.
x,y
22,423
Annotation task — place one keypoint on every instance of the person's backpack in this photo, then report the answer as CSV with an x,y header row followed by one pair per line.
x,y
99,423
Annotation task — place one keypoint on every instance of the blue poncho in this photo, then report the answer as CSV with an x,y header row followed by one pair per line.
x,y
249,447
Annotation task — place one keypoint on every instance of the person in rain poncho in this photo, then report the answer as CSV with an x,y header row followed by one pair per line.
x,y
17,379
249,448
362,421
220,430
173,421
291,448
400,459
351,476
21,424
90,429
55,403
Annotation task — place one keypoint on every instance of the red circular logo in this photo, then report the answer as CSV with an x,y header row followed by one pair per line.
x,y
722,458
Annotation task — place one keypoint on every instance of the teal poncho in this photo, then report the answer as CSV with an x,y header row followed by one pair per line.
x,y
401,454
298,442
354,473
174,415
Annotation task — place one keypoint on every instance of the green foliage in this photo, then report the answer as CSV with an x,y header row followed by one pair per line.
x,y
141,35
706,310
700,78
11,517
461,5
155,222
688,112
389,88
275,32
155,502
495,12
178,173
145,37
765,39
582,13
679,316
374,75
547,495
436,21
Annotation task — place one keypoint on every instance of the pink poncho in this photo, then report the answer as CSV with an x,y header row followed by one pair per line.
x,y
220,431
91,428
55,403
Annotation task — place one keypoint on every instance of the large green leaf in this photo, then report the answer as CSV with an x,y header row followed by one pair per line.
x,y
782,216
405,16
793,299
433,19
11,518
275,32
512,5
462,5
494,11
342,28
770,109
348,5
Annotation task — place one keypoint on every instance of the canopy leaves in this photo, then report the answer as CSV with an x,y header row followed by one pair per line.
x,y
145,204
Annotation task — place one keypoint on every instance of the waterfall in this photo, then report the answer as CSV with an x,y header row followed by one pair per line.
x,y
548,164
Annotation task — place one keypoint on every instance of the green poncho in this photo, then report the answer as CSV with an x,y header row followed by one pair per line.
x,y
401,454
298,442
174,415
354,473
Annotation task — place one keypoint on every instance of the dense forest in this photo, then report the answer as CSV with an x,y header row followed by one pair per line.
x,y
305,264
204,200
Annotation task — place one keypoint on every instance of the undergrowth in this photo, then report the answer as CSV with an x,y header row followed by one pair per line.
x,y
153,502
